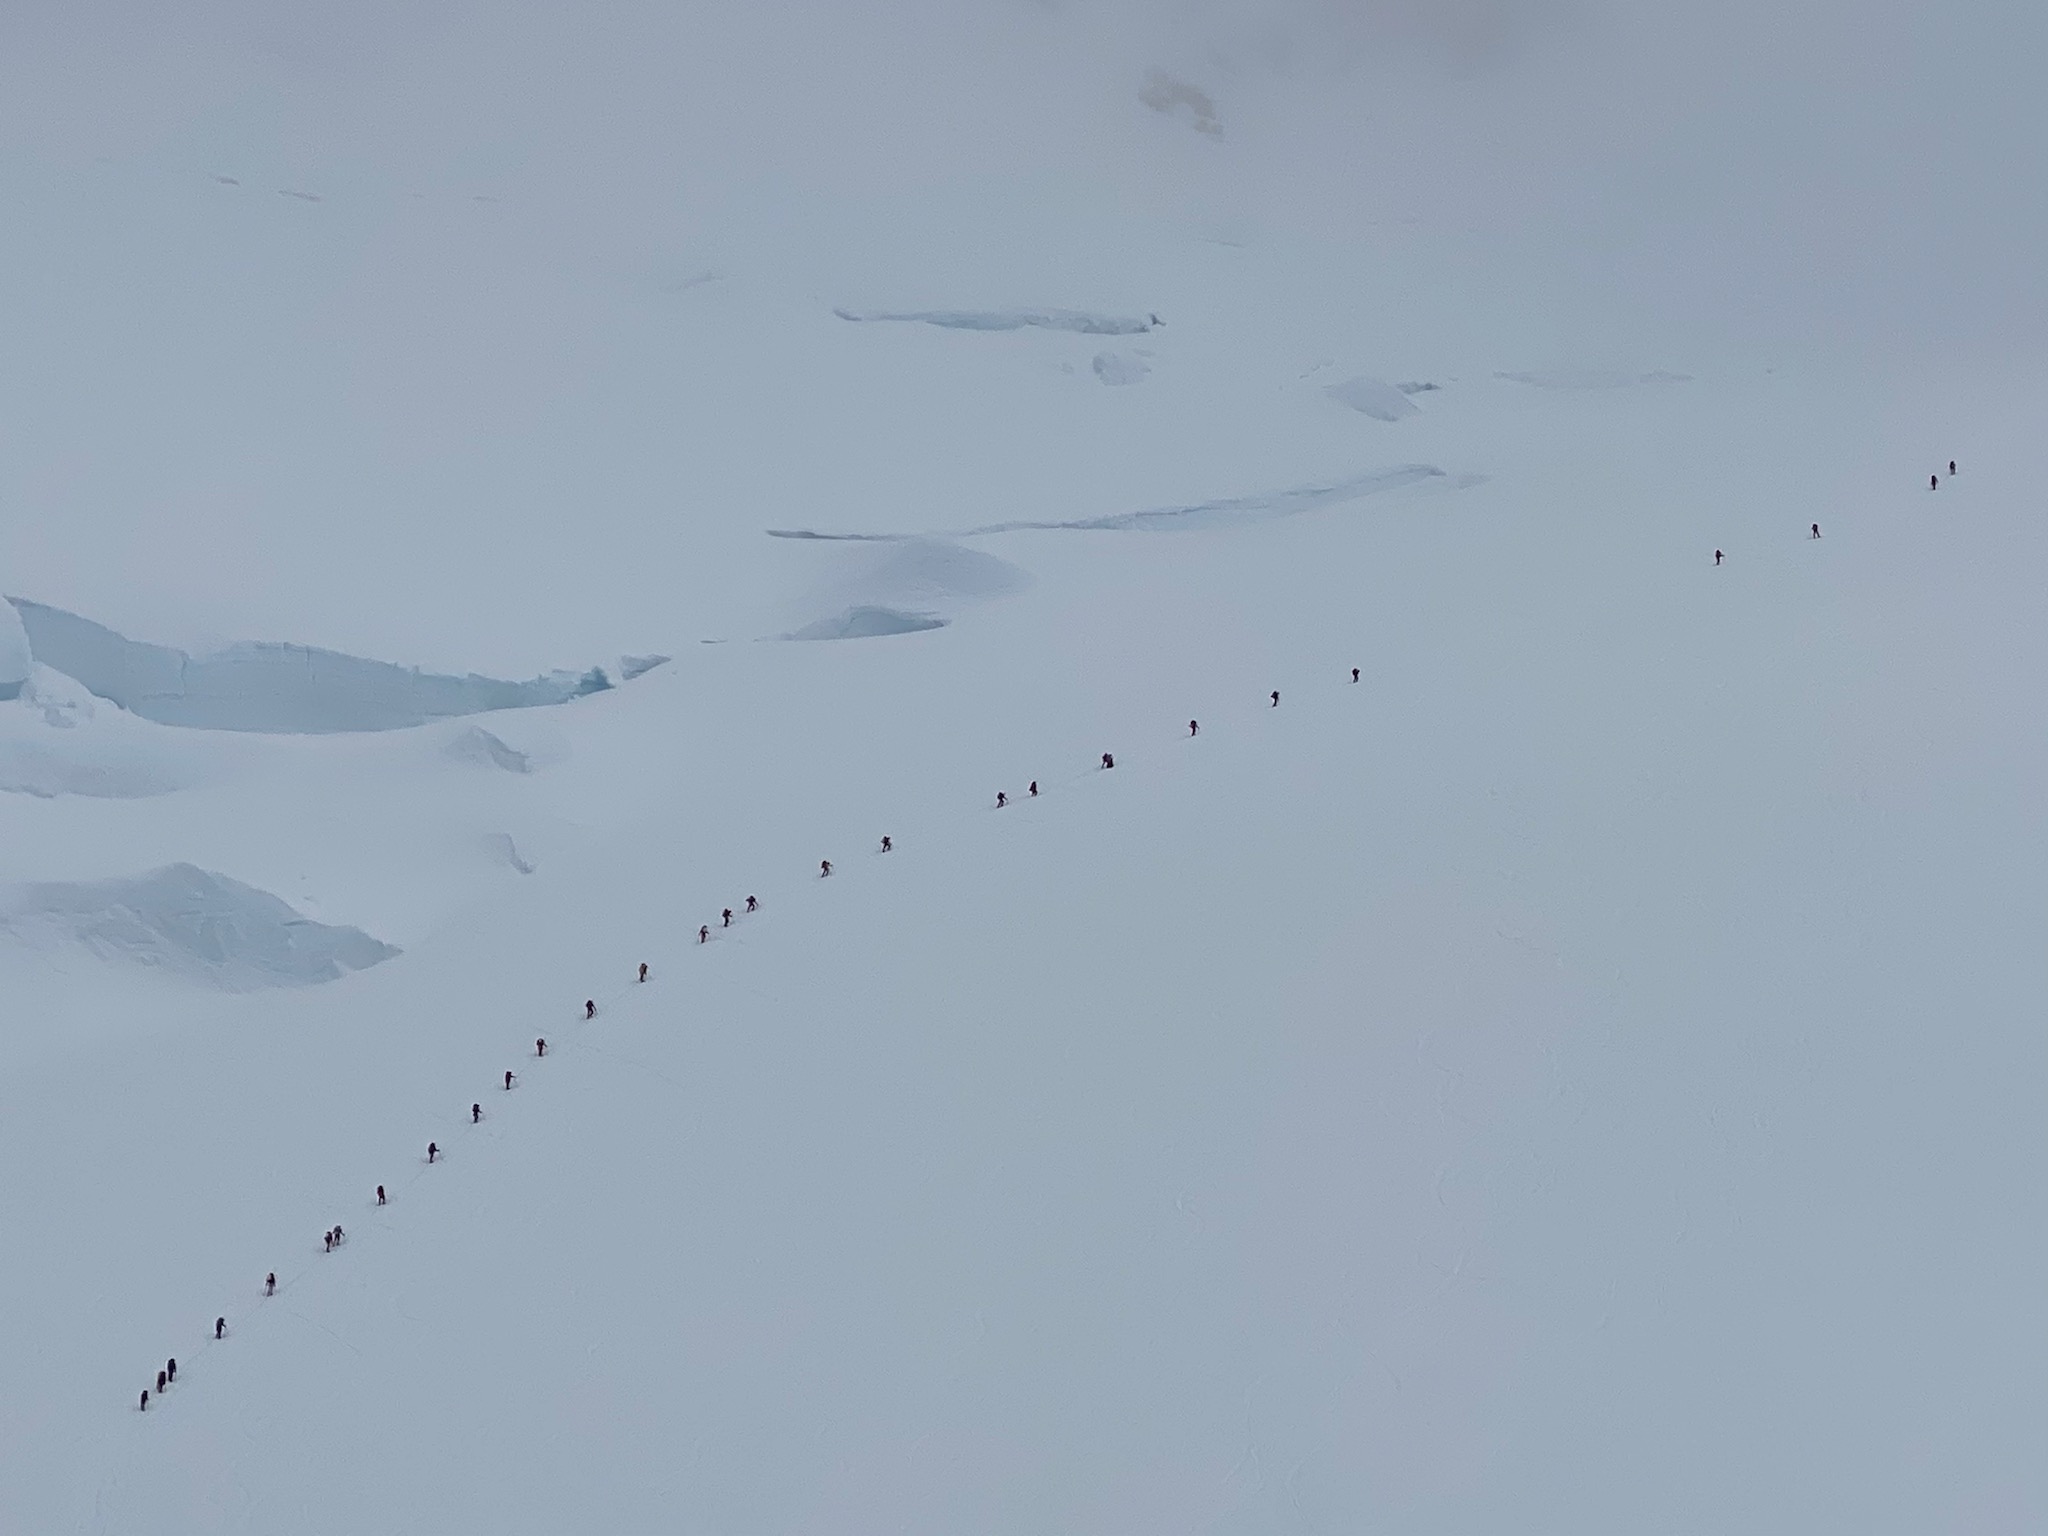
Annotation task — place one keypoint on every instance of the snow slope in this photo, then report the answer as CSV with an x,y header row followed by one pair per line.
x,y
1582,1076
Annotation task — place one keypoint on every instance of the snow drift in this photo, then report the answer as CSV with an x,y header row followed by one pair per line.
x,y
192,923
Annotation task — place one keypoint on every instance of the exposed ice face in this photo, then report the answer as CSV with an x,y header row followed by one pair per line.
x,y
15,660
270,687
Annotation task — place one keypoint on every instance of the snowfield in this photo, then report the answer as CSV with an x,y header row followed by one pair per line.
x,y
1583,1075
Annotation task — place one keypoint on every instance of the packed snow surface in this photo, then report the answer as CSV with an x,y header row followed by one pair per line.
x,y
1571,1064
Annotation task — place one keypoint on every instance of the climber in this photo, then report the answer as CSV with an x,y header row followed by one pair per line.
x,y
704,933
540,1047
220,1327
1108,761
270,1283
1034,789
1717,557
1194,728
589,1008
433,1151
888,845
643,970
508,1081
144,1404
1001,799
824,868
171,1368
1816,532
1276,698
380,1194
752,903
727,923
1354,674
476,1113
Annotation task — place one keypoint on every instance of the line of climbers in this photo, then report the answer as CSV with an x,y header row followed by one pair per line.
x,y
1812,533
334,1237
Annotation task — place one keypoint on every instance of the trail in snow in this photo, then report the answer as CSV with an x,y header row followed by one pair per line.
x,y
572,1037
574,1040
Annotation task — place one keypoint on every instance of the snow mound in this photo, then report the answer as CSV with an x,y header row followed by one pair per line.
x,y
867,623
265,686
479,746
1079,321
631,667
53,742
930,573
15,657
1372,397
191,923
906,586
1592,378
1121,368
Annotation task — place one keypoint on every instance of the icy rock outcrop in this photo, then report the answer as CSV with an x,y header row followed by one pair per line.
x,y
263,686
16,662
192,923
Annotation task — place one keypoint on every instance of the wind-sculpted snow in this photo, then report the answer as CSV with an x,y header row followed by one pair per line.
x,y
265,686
867,622
1121,368
1227,511
1592,378
54,742
479,746
1231,510
1079,321
908,586
189,922
1372,397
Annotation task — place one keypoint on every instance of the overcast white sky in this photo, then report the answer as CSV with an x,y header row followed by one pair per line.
x,y
1866,172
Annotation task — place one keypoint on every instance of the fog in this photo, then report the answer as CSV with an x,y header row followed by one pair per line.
x,y
411,276
1813,169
